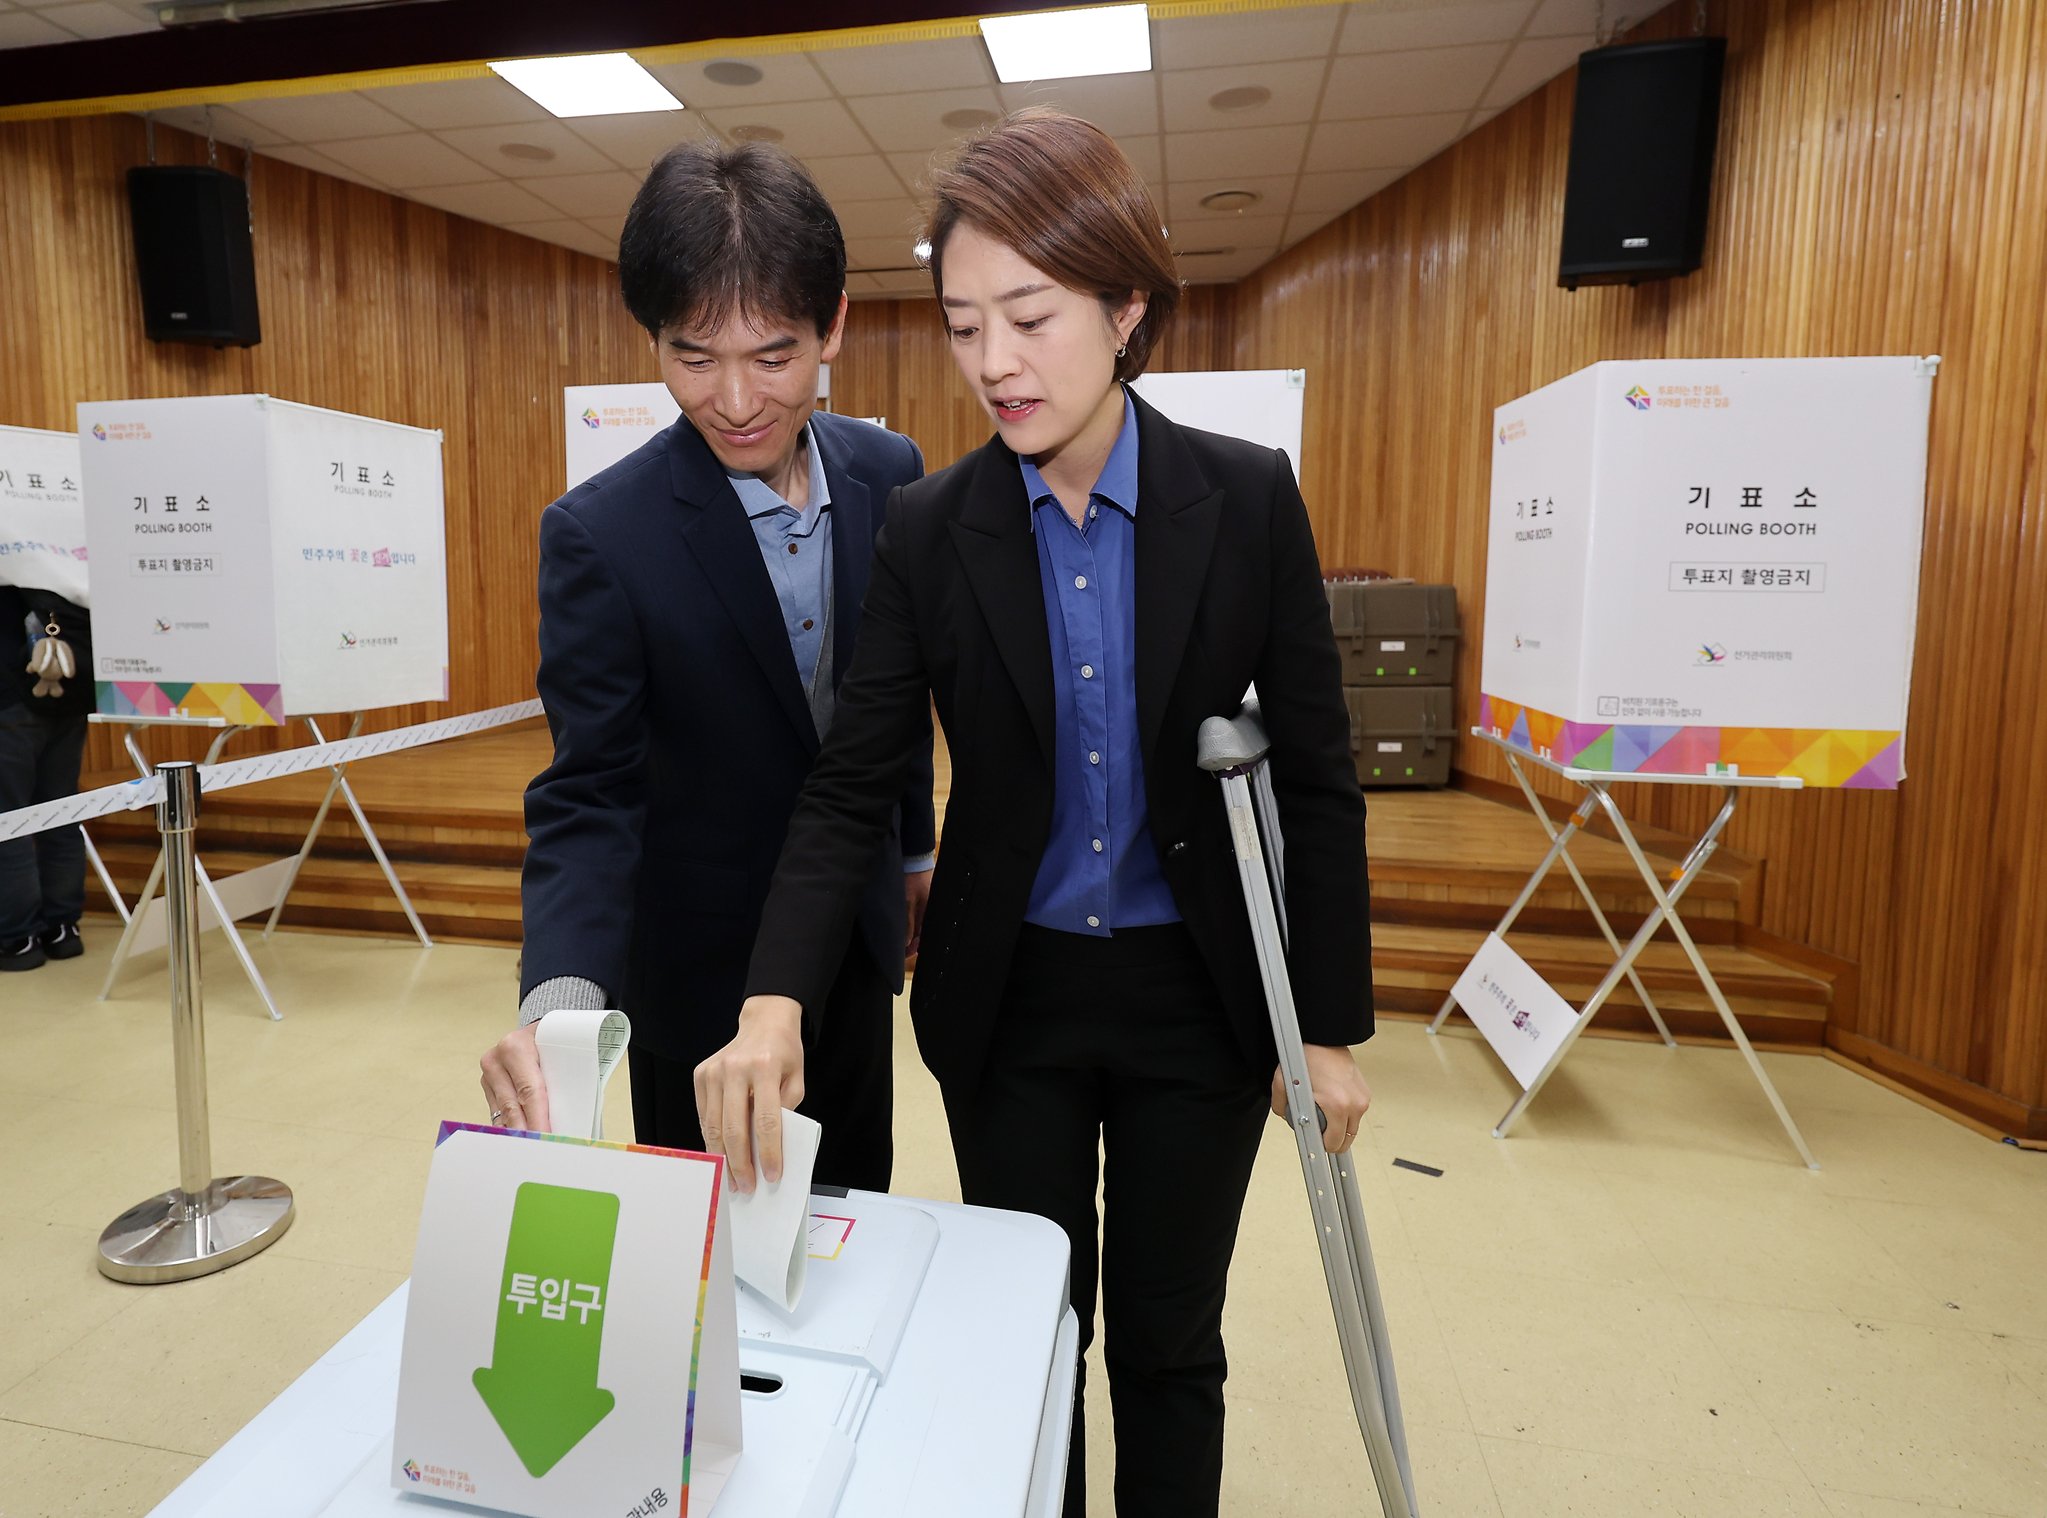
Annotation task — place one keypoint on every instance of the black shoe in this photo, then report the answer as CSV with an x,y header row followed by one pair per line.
x,y
22,954
62,942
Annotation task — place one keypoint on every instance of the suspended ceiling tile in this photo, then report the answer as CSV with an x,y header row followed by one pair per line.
x,y
1249,150
893,67
1183,200
607,193
1532,65
1571,18
1385,142
96,20
498,201
18,29
1294,89
1119,104
324,118
407,162
635,140
319,163
866,176
1372,28
1239,232
1339,192
227,125
1306,224
1411,83
451,103
1258,37
914,122
784,77
897,220
866,253
807,126
487,145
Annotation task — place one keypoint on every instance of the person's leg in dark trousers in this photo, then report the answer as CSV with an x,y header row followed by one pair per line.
x,y
849,1084
1179,1137
1096,1036
60,852
1027,1138
21,893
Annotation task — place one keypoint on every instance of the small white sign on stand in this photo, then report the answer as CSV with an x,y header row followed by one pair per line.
x,y
557,1361
1520,1014
1709,567
42,515
259,560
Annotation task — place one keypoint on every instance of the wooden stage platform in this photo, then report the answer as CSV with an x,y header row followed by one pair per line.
x,y
1444,865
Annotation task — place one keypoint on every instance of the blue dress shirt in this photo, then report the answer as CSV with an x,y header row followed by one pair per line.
x,y
797,547
1100,870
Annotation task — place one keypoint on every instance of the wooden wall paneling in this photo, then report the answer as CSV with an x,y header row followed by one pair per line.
x,y
370,304
1881,188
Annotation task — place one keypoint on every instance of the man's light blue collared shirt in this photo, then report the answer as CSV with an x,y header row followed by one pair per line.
x,y
797,547
1100,870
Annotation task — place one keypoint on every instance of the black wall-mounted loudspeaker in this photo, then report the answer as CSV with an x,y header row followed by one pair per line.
x,y
194,256
1641,170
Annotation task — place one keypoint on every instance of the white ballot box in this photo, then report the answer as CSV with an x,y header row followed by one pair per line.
x,y
928,1373
1709,567
258,560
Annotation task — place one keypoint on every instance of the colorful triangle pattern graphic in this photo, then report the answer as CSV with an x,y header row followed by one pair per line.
x,y
242,705
1821,757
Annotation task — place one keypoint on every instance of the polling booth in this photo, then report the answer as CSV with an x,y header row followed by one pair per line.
x,y
42,518
259,561
1698,572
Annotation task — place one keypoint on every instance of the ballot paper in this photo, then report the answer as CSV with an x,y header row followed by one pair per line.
x,y
578,1052
771,1223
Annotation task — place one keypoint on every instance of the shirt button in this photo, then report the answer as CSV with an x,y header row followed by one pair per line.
x,y
792,548
809,623
1080,582
1094,756
1087,672
1098,845
1094,922
1093,510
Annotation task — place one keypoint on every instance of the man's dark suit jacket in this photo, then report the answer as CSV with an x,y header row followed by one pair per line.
x,y
682,734
1228,591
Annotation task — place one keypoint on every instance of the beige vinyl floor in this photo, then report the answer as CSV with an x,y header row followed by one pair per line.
x,y
1639,1304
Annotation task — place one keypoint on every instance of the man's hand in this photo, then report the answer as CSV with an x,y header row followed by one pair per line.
x,y
1339,1089
512,1083
742,1089
916,896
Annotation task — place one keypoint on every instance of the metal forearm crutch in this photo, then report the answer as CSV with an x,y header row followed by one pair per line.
x,y
1234,751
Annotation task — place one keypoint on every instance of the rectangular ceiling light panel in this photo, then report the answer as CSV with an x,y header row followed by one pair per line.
x,y
595,84
1106,39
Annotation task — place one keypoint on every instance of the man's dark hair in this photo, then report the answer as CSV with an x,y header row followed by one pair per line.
x,y
719,229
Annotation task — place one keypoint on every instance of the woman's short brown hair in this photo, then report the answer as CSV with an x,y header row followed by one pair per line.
x,y
1058,192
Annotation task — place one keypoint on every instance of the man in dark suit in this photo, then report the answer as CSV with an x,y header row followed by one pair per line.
x,y
700,600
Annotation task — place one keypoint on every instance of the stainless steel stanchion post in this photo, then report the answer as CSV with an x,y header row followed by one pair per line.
x,y
207,1223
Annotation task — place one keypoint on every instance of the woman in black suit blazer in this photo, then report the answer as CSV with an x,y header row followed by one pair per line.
x,y
1077,597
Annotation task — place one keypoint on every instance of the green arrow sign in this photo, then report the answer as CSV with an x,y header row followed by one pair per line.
x,y
541,1383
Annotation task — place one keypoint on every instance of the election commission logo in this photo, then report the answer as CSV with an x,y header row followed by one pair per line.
x,y
1638,398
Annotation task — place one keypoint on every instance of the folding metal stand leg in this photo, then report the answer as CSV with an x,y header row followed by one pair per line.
x,y
1668,906
339,782
1233,751
205,882
1560,847
1665,910
99,868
